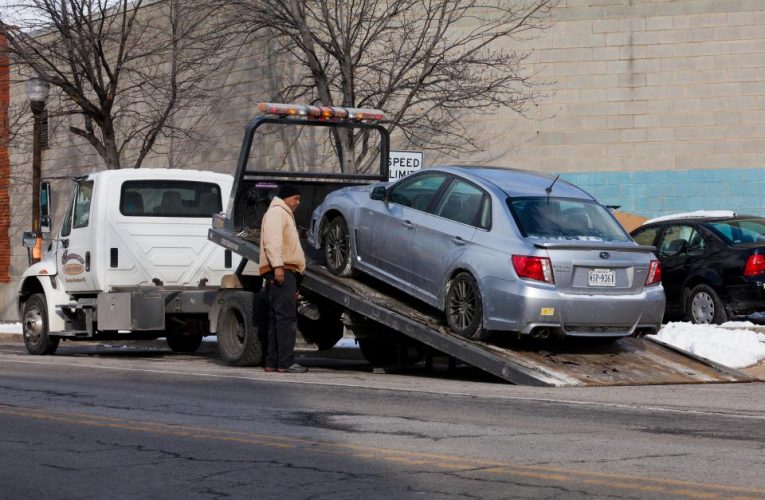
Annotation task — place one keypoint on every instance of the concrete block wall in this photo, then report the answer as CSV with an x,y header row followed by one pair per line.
x,y
643,85
661,192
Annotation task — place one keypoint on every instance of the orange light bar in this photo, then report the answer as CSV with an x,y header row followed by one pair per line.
x,y
321,112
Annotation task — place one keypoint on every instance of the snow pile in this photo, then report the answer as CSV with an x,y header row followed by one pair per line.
x,y
734,346
10,328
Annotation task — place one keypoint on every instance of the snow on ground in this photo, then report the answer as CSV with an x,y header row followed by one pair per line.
x,y
736,344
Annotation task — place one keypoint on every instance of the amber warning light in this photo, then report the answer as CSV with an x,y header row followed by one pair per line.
x,y
321,112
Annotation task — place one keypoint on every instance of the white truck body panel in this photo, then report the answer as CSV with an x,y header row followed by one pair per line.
x,y
151,250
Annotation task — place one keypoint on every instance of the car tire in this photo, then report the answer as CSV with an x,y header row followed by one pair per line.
x,y
705,307
337,247
464,308
37,339
242,325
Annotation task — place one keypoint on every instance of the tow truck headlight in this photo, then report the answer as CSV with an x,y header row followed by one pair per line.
x,y
219,220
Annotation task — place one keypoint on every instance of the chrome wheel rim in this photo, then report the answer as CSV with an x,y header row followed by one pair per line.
x,y
337,246
462,305
33,325
703,308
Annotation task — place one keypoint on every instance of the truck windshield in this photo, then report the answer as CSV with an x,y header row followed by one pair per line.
x,y
163,198
565,219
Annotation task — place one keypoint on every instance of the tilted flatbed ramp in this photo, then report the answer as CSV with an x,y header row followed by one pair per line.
x,y
629,361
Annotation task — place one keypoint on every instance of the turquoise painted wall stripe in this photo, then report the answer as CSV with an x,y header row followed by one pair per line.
x,y
662,192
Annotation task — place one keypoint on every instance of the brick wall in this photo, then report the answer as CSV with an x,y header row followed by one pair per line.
x,y
5,215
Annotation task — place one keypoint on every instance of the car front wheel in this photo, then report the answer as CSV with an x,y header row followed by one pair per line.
x,y
464,309
337,247
705,307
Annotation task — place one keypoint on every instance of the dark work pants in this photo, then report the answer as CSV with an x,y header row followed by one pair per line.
x,y
282,321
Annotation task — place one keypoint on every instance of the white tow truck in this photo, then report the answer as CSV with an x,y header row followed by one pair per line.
x,y
131,261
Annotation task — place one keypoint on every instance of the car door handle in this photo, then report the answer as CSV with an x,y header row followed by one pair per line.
x,y
65,243
408,224
458,241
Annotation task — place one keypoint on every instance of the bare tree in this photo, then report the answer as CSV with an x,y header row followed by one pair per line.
x,y
425,62
124,68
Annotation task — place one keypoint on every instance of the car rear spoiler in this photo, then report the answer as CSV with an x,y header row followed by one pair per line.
x,y
595,245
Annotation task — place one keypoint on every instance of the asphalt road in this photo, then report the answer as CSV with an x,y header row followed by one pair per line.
x,y
94,422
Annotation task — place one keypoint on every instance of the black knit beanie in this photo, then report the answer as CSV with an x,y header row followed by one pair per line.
x,y
287,190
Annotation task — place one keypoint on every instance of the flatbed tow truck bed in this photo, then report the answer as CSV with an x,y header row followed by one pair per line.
x,y
628,361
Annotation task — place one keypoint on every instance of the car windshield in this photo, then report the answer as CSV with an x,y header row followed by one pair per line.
x,y
565,219
739,231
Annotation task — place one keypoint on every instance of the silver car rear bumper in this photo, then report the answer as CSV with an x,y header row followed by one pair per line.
x,y
523,307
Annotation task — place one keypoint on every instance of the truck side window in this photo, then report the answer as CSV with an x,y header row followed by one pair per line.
x,y
82,204
169,198
66,226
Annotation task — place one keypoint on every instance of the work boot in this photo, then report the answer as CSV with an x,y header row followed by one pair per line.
x,y
295,368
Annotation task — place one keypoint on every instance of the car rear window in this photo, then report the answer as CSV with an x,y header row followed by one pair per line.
x,y
565,219
739,231
163,198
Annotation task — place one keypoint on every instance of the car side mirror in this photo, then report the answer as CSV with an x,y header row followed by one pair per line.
x,y
378,193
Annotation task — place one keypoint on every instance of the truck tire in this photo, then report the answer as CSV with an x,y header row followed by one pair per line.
x,y
241,329
337,247
324,332
382,350
183,343
35,327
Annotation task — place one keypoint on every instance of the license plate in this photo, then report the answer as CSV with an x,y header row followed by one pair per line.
x,y
601,277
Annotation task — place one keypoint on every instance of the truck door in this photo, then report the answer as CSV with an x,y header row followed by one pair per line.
x,y
75,248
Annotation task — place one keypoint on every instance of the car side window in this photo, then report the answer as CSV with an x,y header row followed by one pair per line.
x,y
681,240
462,202
696,244
417,191
647,236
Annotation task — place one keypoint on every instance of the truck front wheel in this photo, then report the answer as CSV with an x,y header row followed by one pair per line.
x,y
35,325
240,329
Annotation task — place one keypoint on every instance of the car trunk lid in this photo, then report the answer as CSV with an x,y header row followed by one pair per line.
x,y
599,268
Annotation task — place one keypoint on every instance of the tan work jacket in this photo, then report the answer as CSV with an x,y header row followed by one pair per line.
x,y
279,240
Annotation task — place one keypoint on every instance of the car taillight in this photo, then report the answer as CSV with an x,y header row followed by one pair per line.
x,y
534,268
755,265
654,273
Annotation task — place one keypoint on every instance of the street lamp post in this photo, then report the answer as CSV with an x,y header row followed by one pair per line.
x,y
37,93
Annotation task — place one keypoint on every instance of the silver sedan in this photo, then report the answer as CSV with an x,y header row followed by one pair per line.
x,y
496,250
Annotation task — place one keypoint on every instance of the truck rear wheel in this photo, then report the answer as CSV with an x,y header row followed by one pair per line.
x,y
390,350
35,327
184,343
241,329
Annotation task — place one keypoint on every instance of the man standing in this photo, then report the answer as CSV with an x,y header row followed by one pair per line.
x,y
282,263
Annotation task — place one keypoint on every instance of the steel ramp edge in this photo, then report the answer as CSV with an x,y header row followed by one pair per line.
x,y
344,291
735,375
627,361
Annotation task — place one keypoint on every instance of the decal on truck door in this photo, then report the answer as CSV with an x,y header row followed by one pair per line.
x,y
72,268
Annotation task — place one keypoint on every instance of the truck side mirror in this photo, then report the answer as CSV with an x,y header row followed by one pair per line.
x,y
45,220
378,193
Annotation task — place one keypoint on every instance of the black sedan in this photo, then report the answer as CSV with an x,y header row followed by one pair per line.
x,y
713,264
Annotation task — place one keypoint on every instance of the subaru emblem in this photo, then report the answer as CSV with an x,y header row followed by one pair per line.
x,y
605,255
